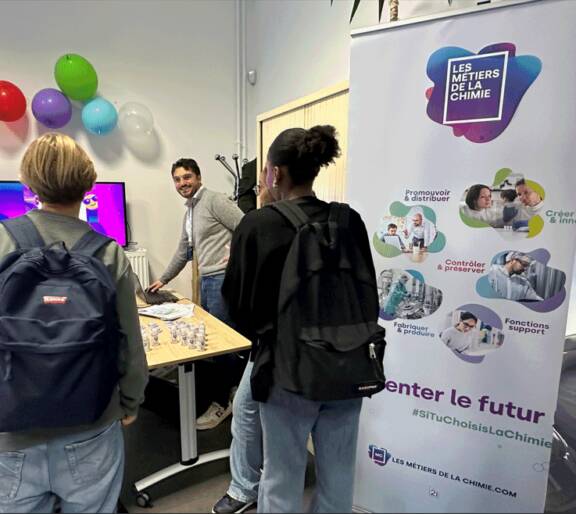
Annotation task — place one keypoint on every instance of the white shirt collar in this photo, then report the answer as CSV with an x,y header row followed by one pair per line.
x,y
191,201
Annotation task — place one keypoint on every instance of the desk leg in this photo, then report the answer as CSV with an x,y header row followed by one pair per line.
x,y
187,396
189,448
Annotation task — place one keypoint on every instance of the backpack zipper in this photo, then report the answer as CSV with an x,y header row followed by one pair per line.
x,y
374,358
372,350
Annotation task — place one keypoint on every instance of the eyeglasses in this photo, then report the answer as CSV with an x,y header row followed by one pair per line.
x,y
468,326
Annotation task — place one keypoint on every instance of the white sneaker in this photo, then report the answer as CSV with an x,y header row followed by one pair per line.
x,y
213,416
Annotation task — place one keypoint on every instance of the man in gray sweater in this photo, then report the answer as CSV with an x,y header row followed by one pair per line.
x,y
207,229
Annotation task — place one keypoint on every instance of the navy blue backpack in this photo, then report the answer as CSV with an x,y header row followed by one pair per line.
x,y
59,331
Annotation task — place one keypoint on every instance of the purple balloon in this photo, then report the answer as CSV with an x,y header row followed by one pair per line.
x,y
51,108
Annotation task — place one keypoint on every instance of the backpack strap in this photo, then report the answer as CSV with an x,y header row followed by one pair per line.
x,y
292,212
339,214
90,243
23,232
338,218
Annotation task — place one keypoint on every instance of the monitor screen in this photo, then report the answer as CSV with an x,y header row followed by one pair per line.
x,y
103,207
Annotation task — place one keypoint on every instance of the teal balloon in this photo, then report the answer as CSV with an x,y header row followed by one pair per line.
x,y
76,77
99,116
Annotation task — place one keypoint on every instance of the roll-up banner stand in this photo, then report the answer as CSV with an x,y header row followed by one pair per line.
x,y
462,163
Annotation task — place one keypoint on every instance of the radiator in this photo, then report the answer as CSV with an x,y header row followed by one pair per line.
x,y
139,262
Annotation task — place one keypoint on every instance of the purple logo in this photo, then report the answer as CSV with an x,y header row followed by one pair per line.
x,y
478,94
475,88
379,456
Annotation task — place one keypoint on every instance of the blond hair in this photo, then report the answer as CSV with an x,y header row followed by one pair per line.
x,y
57,169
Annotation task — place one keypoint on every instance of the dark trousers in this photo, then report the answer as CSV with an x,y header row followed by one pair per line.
x,y
217,376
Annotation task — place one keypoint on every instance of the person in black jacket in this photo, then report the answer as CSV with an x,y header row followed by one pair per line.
x,y
246,447
251,288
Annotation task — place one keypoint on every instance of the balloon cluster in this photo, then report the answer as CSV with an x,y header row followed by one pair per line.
x,y
77,80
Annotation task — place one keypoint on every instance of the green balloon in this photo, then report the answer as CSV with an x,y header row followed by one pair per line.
x,y
76,77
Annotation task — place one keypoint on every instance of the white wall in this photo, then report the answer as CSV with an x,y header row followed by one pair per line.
x,y
301,46
177,57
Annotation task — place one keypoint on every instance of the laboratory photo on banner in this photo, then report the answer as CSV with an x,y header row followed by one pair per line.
x,y
408,230
404,294
525,278
471,333
512,205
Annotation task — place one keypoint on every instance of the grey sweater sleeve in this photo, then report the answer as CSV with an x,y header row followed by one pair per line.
x,y
132,364
132,358
180,258
226,211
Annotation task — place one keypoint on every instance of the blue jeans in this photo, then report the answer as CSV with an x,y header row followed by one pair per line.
x,y
246,448
287,419
84,470
211,297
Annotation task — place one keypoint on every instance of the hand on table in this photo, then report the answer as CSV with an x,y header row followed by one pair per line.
x,y
155,286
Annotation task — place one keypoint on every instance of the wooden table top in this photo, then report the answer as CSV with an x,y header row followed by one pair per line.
x,y
220,339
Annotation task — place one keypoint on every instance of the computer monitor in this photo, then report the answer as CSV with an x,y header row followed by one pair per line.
x,y
103,207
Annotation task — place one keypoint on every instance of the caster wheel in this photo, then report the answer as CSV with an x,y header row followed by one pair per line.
x,y
143,500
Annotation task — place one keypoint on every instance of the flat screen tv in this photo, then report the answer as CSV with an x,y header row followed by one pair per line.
x,y
103,207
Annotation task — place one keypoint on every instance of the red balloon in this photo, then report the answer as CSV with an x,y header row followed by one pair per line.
x,y
12,101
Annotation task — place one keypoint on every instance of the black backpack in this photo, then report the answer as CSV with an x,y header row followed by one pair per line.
x,y
328,344
59,332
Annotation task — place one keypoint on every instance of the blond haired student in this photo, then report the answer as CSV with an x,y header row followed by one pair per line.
x,y
81,464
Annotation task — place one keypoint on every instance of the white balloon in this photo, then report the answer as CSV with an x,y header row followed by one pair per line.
x,y
135,118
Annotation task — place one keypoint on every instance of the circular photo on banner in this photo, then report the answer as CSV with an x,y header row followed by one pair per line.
x,y
525,278
404,294
512,205
471,332
408,230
